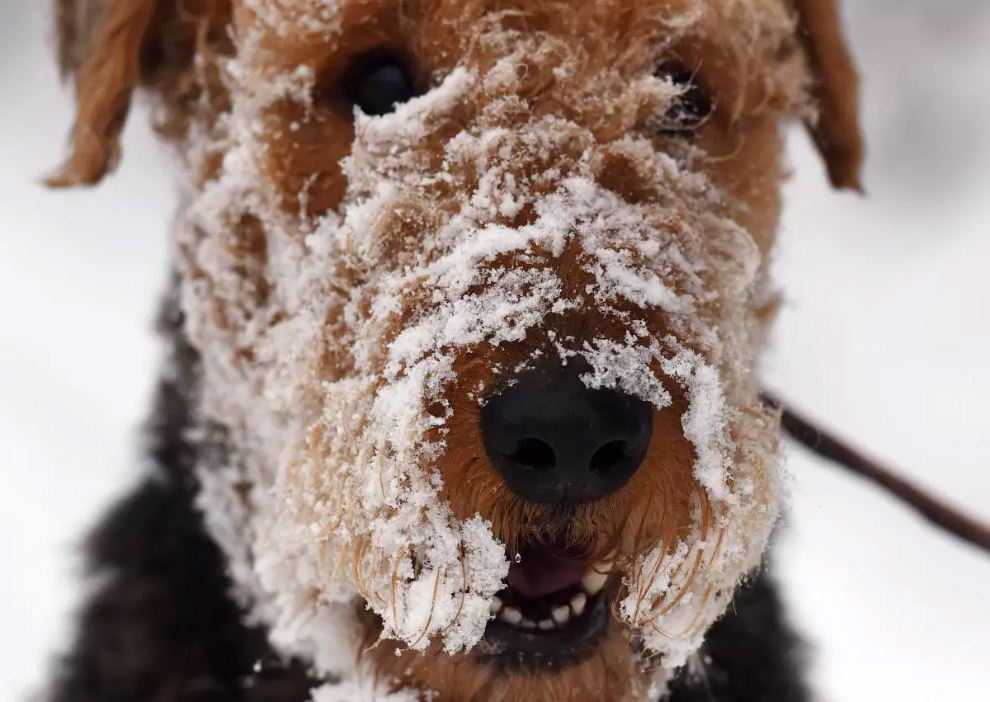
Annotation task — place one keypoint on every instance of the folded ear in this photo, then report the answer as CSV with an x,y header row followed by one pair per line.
x,y
109,48
835,128
99,42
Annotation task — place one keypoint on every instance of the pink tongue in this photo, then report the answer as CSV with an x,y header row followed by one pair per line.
x,y
541,572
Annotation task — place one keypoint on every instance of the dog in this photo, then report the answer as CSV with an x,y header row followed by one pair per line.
x,y
468,298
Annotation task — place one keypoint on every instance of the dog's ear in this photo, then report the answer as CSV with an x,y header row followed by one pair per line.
x,y
110,47
99,45
835,128
74,20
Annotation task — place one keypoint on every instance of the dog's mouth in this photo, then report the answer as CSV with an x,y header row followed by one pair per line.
x,y
553,608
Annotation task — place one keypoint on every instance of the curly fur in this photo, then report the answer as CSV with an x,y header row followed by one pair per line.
x,y
349,289
162,626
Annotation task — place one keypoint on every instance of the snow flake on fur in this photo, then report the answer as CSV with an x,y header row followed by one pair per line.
x,y
320,367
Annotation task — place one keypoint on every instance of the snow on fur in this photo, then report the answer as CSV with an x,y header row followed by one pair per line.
x,y
328,498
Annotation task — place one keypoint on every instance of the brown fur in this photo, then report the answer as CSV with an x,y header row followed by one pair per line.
x,y
105,57
175,49
836,128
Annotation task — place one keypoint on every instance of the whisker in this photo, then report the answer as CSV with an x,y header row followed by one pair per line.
x,y
433,603
464,580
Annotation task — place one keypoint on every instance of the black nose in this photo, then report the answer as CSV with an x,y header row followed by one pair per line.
x,y
555,440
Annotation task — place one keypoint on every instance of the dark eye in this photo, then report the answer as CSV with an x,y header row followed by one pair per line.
x,y
378,81
692,107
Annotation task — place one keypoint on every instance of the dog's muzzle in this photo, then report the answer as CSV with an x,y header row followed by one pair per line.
x,y
554,440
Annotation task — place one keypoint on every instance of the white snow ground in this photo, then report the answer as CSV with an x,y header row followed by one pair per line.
x,y
884,338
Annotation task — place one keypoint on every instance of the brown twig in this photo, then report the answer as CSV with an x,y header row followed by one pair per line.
x,y
834,449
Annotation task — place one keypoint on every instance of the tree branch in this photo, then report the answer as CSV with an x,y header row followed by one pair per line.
x,y
834,449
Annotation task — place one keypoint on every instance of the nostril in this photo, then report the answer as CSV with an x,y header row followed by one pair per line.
x,y
609,456
553,440
533,453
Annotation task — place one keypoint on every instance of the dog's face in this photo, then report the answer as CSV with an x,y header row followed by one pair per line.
x,y
477,290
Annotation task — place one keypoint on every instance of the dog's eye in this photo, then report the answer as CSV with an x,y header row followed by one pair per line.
x,y
692,107
378,81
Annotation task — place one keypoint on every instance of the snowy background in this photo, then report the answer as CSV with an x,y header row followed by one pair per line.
x,y
884,338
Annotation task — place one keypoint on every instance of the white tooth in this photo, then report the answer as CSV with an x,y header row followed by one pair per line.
x,y
496,605
593,581
578,602
527,624
546,625
561,614
511,615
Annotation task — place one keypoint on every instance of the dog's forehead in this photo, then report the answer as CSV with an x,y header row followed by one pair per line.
x,y
559,15
445,30
585,62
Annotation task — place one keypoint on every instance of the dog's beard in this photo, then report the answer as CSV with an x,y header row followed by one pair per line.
x,y
330,384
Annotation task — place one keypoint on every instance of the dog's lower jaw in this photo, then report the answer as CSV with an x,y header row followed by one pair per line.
x,y
608,671
750,654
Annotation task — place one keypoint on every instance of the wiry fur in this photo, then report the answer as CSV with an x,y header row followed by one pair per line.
x,y
338,236
162,626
